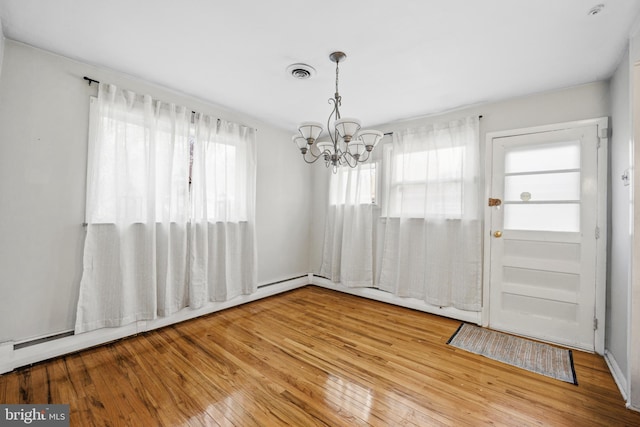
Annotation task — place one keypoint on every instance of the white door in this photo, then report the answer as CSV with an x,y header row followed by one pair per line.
x,y
543,235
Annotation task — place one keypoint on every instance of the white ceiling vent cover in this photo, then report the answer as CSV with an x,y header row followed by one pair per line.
x,y
301,71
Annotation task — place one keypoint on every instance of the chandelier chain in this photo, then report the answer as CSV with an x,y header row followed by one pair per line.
x,y
337,76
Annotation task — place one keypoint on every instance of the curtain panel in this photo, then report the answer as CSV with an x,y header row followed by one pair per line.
x,y
430,228
223,253
424,232
144,217
348,240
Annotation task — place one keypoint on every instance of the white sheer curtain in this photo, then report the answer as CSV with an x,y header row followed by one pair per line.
x,y
430,226
137,210
348,241
223,252
152,248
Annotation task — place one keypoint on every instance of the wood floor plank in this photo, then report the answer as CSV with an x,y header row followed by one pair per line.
x,y
168,383
312,357
252,398
256,361
374,356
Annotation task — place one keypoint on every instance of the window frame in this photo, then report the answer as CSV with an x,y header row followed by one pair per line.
x,y
392,186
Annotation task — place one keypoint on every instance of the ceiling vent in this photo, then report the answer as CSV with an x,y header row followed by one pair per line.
x,y
301,71
595,10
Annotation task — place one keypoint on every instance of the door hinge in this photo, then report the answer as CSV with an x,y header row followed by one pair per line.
x,y
595,323
597,232
604,133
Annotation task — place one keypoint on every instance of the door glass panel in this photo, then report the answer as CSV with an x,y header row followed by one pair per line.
x,y
542,187
542,217
543,157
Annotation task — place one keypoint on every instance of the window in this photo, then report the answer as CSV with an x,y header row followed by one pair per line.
x,y
137,174
542,187
354,185
425,183
153,162
158,176
224,185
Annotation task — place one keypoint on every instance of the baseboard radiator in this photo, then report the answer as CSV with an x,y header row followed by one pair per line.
x,y
14,355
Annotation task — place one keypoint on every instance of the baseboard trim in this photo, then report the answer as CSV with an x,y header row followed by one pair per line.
x,y
12,358
617,374
412,303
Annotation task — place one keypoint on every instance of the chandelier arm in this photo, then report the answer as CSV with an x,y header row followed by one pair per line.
x,y
346,156
314,155
314,158
326,154
328,162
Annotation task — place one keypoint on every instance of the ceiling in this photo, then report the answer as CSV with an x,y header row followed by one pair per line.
x,y
405,58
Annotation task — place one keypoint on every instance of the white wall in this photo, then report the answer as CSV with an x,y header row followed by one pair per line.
x,y
619,262
43,139
1,47
283,207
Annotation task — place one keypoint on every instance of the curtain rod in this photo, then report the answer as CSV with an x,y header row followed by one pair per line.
x,y
90,80
391,133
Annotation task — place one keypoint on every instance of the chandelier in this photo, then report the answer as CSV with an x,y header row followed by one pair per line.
x,y
347,144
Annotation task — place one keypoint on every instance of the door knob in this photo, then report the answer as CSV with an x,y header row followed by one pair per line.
x,y
497,234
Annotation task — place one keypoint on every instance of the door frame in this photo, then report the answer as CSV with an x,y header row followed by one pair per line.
x,y
602,125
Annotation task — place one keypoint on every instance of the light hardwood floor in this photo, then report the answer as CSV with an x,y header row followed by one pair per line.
x,y
311,357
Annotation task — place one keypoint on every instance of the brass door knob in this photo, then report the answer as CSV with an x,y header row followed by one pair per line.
x,y
497,234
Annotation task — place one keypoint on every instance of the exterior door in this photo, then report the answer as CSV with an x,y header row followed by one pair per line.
x,y
544,233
